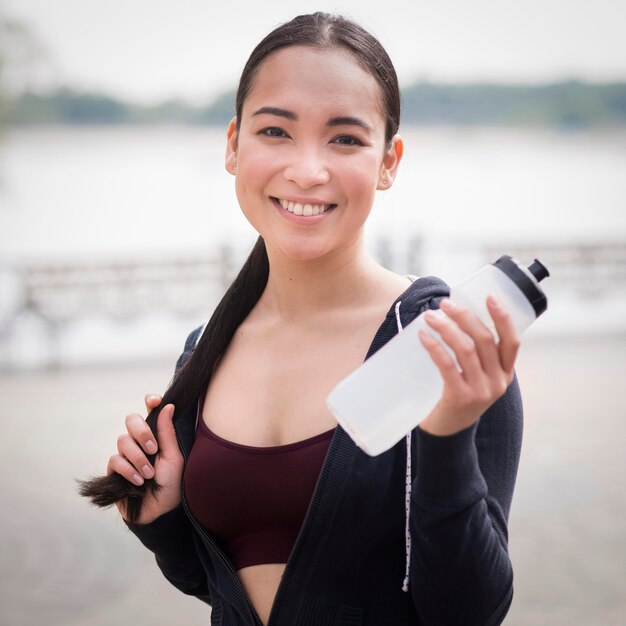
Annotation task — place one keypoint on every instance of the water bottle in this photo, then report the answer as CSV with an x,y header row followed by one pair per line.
x,y
399,385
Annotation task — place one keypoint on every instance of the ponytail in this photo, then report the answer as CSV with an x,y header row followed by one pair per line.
x,y
191,379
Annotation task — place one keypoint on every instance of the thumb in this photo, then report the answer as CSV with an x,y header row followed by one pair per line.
x,y
168,446
152,400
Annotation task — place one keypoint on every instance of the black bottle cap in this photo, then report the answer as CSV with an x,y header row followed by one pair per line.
x,y
527,280
538,270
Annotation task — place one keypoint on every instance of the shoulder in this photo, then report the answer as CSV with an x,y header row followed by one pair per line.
x,y
190,343
424,293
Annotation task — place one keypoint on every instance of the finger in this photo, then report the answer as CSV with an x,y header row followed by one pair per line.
x,y
140,431
461,345
130,450
152,400
119,465
166,434
483,341
442,359
509,338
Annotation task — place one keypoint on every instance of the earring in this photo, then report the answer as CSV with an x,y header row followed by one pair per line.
x,y
384,181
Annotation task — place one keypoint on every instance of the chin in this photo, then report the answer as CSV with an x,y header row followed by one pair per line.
x,y
303,253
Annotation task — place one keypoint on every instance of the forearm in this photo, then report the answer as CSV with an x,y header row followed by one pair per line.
x,y
461,571
170,538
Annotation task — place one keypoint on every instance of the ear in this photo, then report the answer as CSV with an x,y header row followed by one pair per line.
x,y
391,161
231,147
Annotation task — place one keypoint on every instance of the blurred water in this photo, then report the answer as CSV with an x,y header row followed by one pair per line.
x,y
101,191
87,194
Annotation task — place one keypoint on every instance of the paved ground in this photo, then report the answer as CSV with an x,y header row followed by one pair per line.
x,y
63,564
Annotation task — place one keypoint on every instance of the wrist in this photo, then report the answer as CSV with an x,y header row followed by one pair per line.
x,y
151,510
151,513
447,470
443,423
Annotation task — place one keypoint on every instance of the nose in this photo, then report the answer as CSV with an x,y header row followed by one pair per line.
x,y
307,168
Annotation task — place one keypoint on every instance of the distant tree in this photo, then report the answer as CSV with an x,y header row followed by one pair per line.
x,y
219,111
567,105
19,49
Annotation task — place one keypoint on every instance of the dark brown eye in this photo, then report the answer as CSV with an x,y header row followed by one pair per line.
x,y
348,140
273,131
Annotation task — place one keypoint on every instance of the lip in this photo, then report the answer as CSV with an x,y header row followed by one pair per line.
x,y
301,219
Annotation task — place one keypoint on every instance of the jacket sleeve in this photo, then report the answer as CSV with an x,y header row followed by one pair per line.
x,y
461,573
170,536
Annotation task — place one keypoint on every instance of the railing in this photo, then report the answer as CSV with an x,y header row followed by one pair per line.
x,y
62,293
589,269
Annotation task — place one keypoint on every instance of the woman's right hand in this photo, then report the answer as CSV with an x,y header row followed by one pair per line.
x,y
131,461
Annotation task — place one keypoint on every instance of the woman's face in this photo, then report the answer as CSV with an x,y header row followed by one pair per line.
x,y
310,151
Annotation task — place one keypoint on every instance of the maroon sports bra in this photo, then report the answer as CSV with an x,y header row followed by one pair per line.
x,y
252,500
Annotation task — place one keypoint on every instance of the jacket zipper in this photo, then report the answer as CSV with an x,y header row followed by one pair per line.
x,y
211,541
313,503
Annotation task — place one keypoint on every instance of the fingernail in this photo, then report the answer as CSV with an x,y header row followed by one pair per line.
x,y
151,446
426,337
146,470
152,397
493,300
446,303
437,316
138,479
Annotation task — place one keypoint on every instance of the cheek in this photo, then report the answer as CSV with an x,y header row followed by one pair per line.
x,y
253,166
252,176
361,179
245,198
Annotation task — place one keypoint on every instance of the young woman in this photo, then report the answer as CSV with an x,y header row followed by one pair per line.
x,y
250,495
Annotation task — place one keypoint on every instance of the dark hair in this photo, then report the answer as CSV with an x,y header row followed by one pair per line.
x,y
320,30
326,31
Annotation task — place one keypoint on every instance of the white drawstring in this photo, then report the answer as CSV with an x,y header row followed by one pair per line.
x,y
407,488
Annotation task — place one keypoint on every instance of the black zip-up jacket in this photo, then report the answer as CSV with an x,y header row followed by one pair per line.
x,y
348,563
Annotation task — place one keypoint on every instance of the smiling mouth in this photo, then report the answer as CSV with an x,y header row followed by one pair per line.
x,y
306,210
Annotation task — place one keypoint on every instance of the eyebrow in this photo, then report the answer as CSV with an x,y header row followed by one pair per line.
x,y
276,111
345,120
349,121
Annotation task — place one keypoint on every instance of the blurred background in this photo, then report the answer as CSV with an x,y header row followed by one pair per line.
x,y
119,231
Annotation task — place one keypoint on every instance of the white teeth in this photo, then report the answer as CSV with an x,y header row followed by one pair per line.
x,y
307,209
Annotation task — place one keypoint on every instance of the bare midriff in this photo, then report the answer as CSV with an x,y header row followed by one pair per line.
x,y
261,584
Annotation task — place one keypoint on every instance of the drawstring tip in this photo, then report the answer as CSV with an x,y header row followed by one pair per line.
x,y
405,585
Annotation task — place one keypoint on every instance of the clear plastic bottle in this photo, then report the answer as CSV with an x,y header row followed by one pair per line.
x,y
398,386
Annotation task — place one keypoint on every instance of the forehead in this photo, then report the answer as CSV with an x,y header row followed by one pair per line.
x,y
322,80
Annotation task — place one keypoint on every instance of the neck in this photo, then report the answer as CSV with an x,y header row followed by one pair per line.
x,y
347,278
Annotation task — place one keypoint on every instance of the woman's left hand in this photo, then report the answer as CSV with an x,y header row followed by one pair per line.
x,y
487,365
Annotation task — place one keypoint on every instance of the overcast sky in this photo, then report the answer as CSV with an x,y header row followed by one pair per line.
x,y
153,49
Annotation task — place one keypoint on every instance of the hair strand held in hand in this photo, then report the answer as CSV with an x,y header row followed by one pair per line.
x,y
188,382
